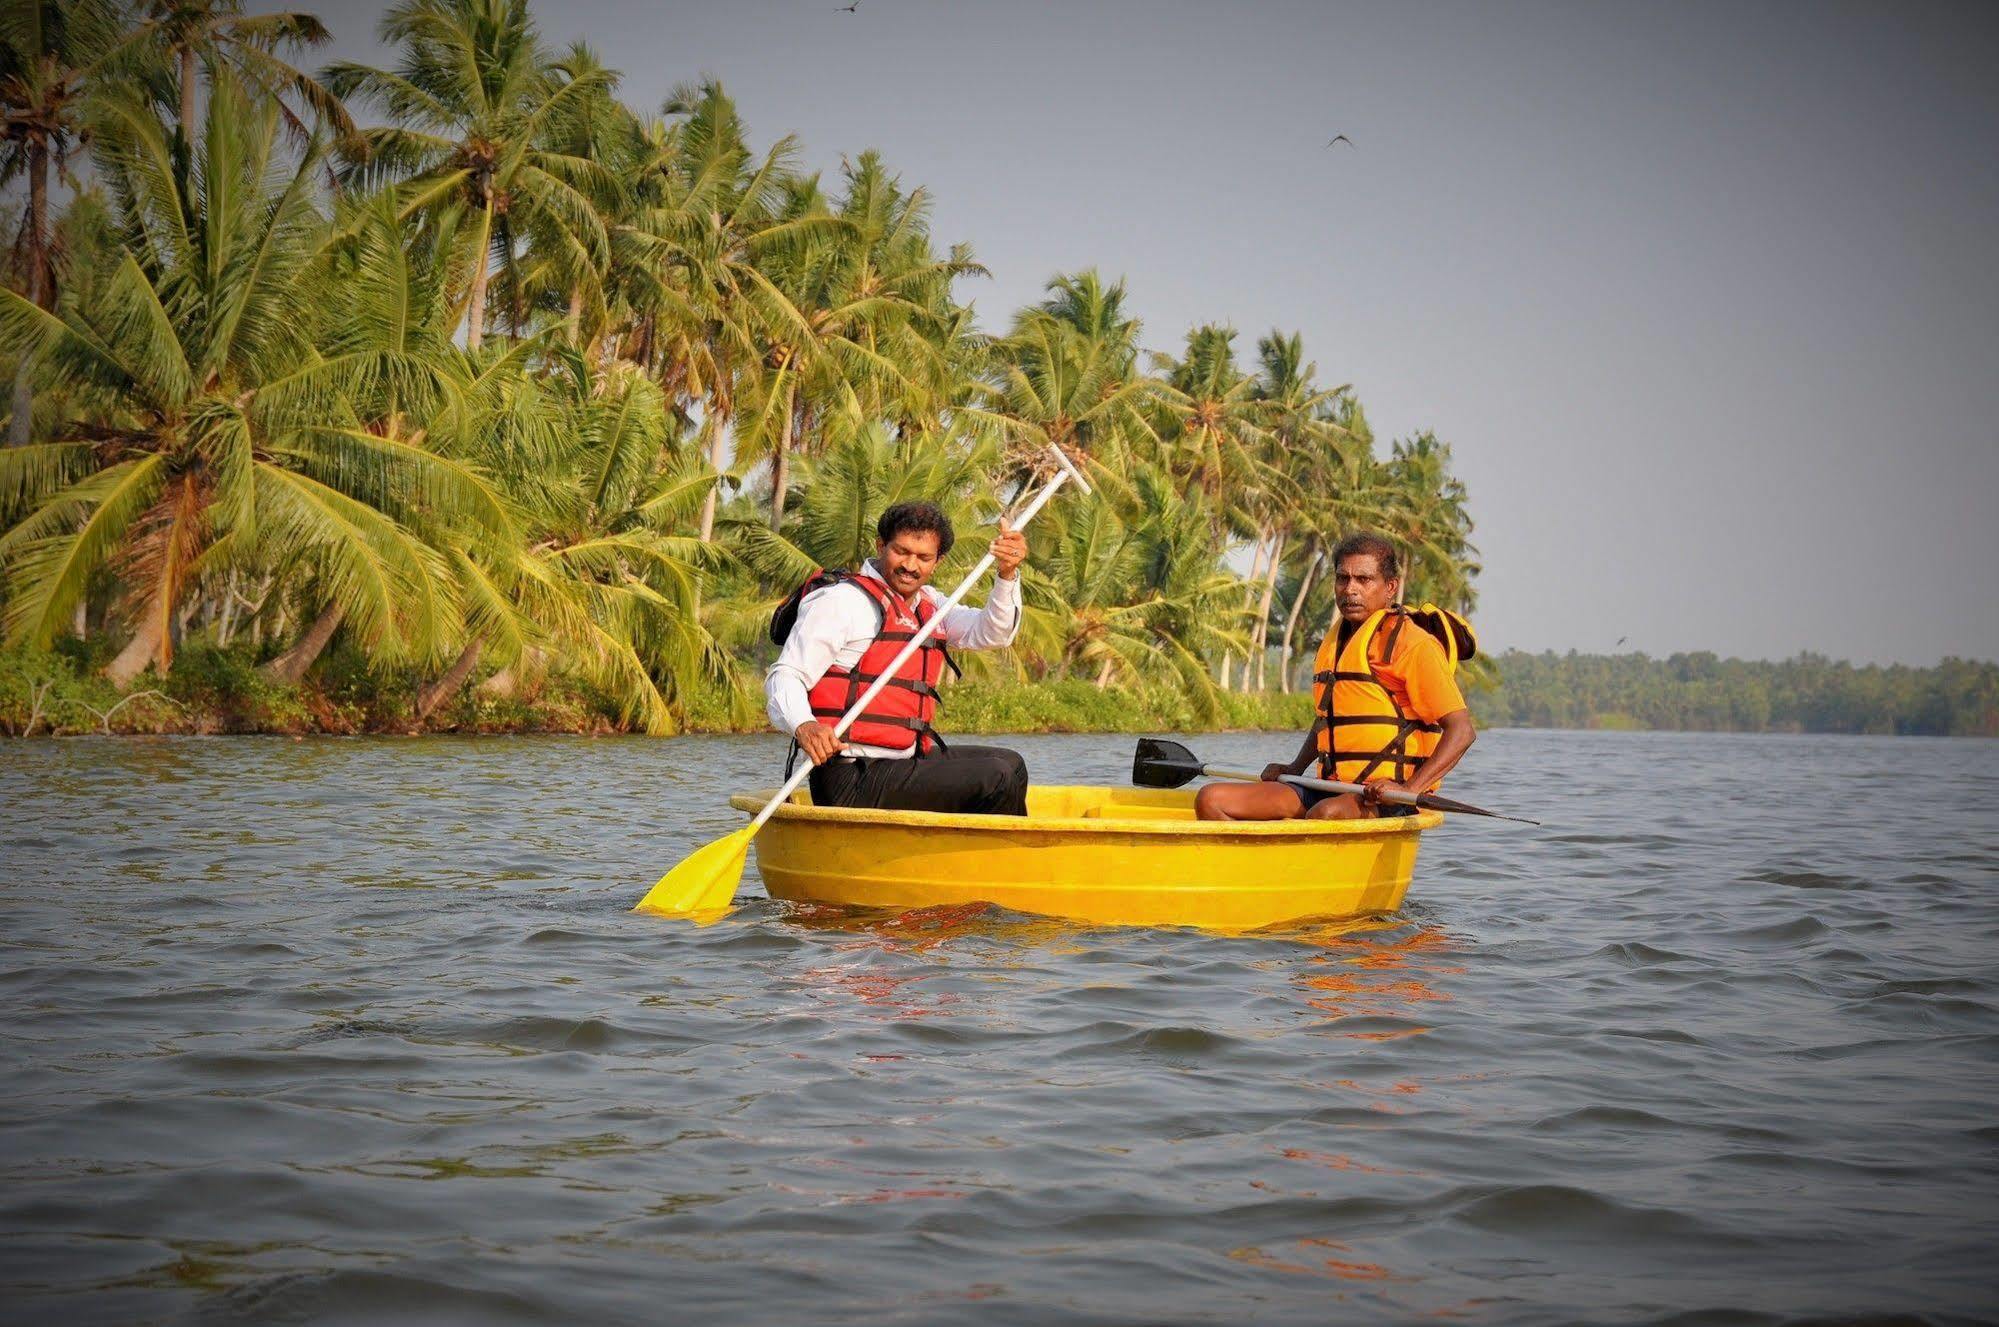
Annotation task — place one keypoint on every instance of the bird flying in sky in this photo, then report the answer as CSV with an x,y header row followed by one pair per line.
x,y
1336,138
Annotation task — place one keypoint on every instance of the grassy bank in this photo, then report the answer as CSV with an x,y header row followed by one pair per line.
x,y
220,691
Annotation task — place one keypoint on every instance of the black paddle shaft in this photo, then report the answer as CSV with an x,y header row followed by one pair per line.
x,y
1159,763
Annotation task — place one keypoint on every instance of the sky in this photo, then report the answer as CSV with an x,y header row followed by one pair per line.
x,y
1703,296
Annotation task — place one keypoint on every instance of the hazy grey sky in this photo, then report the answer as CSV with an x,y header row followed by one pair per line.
x,y
1705,297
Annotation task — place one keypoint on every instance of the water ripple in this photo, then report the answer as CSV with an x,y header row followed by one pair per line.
x,y
362,1030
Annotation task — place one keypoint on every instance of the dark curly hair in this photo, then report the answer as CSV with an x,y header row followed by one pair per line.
x,y
1375,546
916,518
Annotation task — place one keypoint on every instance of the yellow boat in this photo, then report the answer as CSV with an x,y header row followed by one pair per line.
x,y
1120,856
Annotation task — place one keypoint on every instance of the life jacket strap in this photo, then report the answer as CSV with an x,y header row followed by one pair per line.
x,y
917,685
1404,765
1405,725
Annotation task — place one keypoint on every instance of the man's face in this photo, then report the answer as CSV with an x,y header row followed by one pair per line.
x,y
907,559
1360,587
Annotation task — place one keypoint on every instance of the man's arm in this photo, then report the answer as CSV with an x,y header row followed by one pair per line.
x,y
1307,753
1452,743
826,624
993,626
1434,698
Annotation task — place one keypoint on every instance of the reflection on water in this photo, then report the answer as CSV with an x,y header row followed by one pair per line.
x,y
1386,978
916,930
364,1030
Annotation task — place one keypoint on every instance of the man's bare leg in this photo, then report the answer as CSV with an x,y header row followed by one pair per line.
x,y
1247,801
1341,806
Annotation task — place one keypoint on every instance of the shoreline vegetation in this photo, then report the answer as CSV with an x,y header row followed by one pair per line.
x,y
461,395
212,691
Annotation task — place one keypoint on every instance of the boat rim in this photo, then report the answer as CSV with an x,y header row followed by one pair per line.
x,y
754,801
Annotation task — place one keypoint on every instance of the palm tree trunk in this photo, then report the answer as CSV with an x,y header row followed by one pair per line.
x,y
290,666
780,467
187,92
225,624
520,674
38,295
432,694
23,408
1256,559
149,638
1248,598
257,613
1297,607
714,425
1263,609
576,317
475,311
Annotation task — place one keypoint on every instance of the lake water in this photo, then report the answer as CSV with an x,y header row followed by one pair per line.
x,y
362,1031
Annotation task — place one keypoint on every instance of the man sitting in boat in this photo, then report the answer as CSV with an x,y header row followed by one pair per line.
x,y
848,626
1390,714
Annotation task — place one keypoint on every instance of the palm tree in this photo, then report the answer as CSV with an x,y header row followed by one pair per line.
x,y
1125,589
1216,441
1299,430
562,282
239,392
1344,490
875,324
1433,522
1091,603
386,345
476,102
186,33
224,438
708,214
594,581
842,493
50,54
1066,376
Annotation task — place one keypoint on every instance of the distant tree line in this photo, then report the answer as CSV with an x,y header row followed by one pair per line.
x,y
1704,693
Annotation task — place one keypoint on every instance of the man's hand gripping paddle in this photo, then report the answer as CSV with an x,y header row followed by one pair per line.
x,y
703,885
1159,763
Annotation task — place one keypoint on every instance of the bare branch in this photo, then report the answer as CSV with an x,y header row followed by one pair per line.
x,y
104,716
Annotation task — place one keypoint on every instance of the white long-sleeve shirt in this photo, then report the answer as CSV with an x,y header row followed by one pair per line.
x,y
837,623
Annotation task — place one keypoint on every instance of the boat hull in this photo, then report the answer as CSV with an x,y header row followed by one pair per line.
x,y
1119,856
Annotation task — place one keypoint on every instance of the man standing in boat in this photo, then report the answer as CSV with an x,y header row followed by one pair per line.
x,y
843,627
1390,714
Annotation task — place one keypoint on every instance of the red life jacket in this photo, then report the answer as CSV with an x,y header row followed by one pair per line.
x,y
900,716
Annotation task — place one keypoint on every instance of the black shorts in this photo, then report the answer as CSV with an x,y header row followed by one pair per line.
x,y
1311,797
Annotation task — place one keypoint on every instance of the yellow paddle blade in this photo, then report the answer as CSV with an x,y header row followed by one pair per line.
x,y
704,883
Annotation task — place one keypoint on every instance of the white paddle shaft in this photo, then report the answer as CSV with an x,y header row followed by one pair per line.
x,y
1065,473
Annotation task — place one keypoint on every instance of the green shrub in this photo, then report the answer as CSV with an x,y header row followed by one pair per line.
x,y
211,690
224,692
49,692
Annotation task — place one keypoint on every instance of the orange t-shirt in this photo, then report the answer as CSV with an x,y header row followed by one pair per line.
x,y
1418,676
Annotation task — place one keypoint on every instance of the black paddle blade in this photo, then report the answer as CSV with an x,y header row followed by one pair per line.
x,y
1436,803
1159,763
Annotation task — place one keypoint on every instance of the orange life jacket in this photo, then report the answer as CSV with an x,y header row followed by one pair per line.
x,y
1362,732
900,716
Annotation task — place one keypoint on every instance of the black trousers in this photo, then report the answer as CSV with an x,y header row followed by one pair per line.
x,y
971,780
